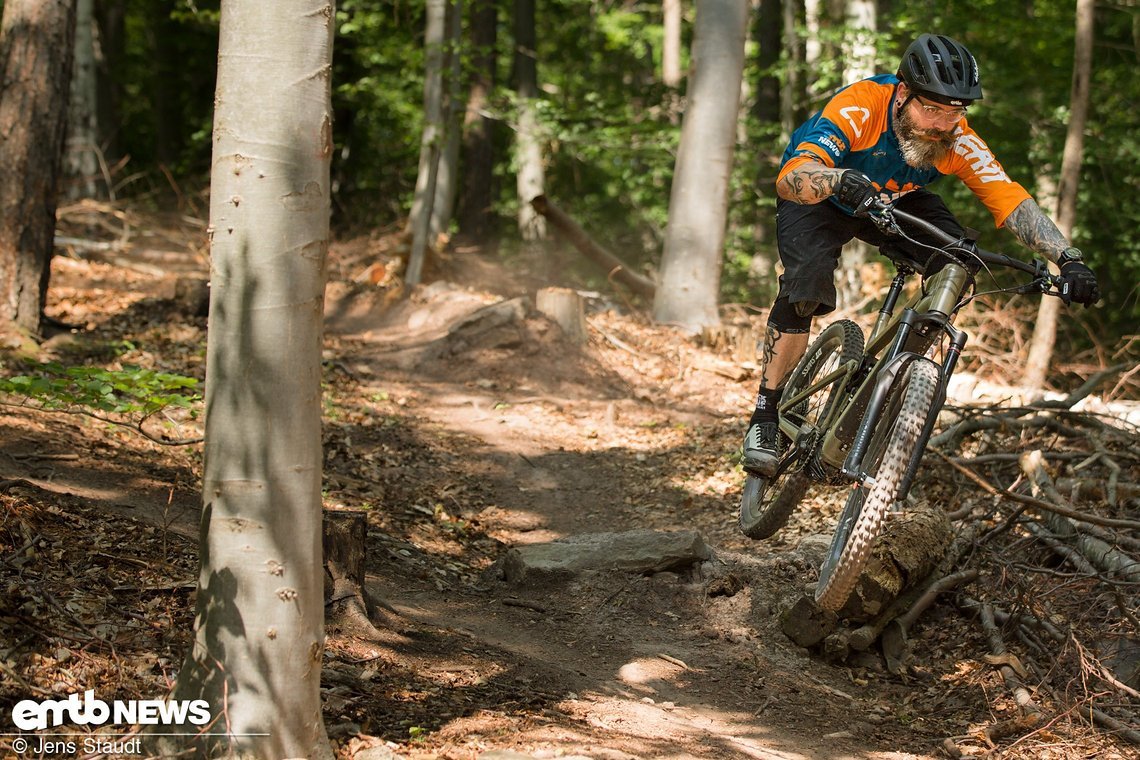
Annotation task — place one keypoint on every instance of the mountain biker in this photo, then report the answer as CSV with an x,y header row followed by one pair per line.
x,y
883,138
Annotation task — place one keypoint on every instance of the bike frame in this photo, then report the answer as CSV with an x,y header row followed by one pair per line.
x,y
900,336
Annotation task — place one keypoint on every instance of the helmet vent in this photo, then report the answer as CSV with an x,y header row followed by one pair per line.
x,y
942,68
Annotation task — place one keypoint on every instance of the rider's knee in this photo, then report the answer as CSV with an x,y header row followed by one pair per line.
x,y
787,317
806,308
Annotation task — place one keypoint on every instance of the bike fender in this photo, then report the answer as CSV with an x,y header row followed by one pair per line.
x,y
868,405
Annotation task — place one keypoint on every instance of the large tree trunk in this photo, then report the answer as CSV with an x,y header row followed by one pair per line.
x,y
36,38
259,628
478,147
1045,331
698,204
531,177
430,143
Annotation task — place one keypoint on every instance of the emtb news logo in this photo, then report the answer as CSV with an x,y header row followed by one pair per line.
x,y
32,715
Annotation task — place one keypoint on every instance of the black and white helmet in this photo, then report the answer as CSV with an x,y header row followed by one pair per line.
x,y
942,69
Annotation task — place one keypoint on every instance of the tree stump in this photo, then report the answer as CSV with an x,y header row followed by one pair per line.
x,y
344,540
564,306
344,536
738,340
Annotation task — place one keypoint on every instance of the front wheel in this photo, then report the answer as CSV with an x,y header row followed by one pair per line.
x,y
767,503
886,460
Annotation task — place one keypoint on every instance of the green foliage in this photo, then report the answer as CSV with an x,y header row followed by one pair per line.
x,y
132,392
161,107
612,128
378,73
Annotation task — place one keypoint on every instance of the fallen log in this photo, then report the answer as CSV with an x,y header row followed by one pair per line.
x,y
910,548
581,240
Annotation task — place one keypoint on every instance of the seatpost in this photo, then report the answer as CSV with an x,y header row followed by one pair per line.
x,y
892,299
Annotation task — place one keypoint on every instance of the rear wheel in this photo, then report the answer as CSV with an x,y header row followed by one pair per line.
x,y
767,503
886,462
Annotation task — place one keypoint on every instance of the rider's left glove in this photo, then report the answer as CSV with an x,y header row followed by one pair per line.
x,y
856,192
1078,283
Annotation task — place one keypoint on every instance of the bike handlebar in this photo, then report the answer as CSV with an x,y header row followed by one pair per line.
x,y
885,216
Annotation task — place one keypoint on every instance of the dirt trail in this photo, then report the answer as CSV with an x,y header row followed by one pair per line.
x,y
464,425
562,441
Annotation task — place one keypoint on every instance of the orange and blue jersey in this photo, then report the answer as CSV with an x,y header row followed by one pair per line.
x,y
855,130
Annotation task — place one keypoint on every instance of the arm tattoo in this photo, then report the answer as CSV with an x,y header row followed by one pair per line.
x,y
1036,231
811,183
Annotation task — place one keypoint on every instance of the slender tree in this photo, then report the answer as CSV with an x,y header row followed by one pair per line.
x,y
531,176
1045,330
671,44
110,18
859,63
698,203
435,36
768,29
82,155
36,38
792,96
258,631
446,179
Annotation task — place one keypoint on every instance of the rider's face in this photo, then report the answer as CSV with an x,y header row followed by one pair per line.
x,y
923,144
926,120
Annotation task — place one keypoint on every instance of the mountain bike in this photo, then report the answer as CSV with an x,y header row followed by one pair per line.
x,y
859,411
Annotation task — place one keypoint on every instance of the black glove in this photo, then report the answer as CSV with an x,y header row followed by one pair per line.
x,y
856,192
1078,283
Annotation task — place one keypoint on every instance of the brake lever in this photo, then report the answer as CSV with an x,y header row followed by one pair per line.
x,y
1044,281
884,220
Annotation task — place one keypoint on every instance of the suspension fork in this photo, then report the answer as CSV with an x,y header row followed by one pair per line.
x,y
893,362
953,352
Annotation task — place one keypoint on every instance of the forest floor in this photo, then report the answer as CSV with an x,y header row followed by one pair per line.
x,y
465,433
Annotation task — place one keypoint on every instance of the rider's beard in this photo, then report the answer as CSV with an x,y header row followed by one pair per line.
x,y
922,148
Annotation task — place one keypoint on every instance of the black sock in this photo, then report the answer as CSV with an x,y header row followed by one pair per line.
x,y
766,401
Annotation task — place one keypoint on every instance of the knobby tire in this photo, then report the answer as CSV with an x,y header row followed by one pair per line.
x,y
862,518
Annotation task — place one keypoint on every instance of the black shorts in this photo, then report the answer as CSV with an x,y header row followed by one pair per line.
x,y
810,238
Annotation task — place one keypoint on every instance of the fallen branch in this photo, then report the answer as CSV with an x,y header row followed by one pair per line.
x,y
1073,514
1084,390
581,240
1096,551
1006,668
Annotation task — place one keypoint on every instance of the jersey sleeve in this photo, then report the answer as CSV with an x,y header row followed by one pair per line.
x,y
852,120
974,163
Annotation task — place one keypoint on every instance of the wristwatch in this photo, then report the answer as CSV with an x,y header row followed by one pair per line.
x,y
1070,255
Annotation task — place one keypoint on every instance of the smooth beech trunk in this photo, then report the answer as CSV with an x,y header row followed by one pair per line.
x,y
259,629
698,204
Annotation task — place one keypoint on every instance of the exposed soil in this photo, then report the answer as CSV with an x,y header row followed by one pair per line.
x,y
460,446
